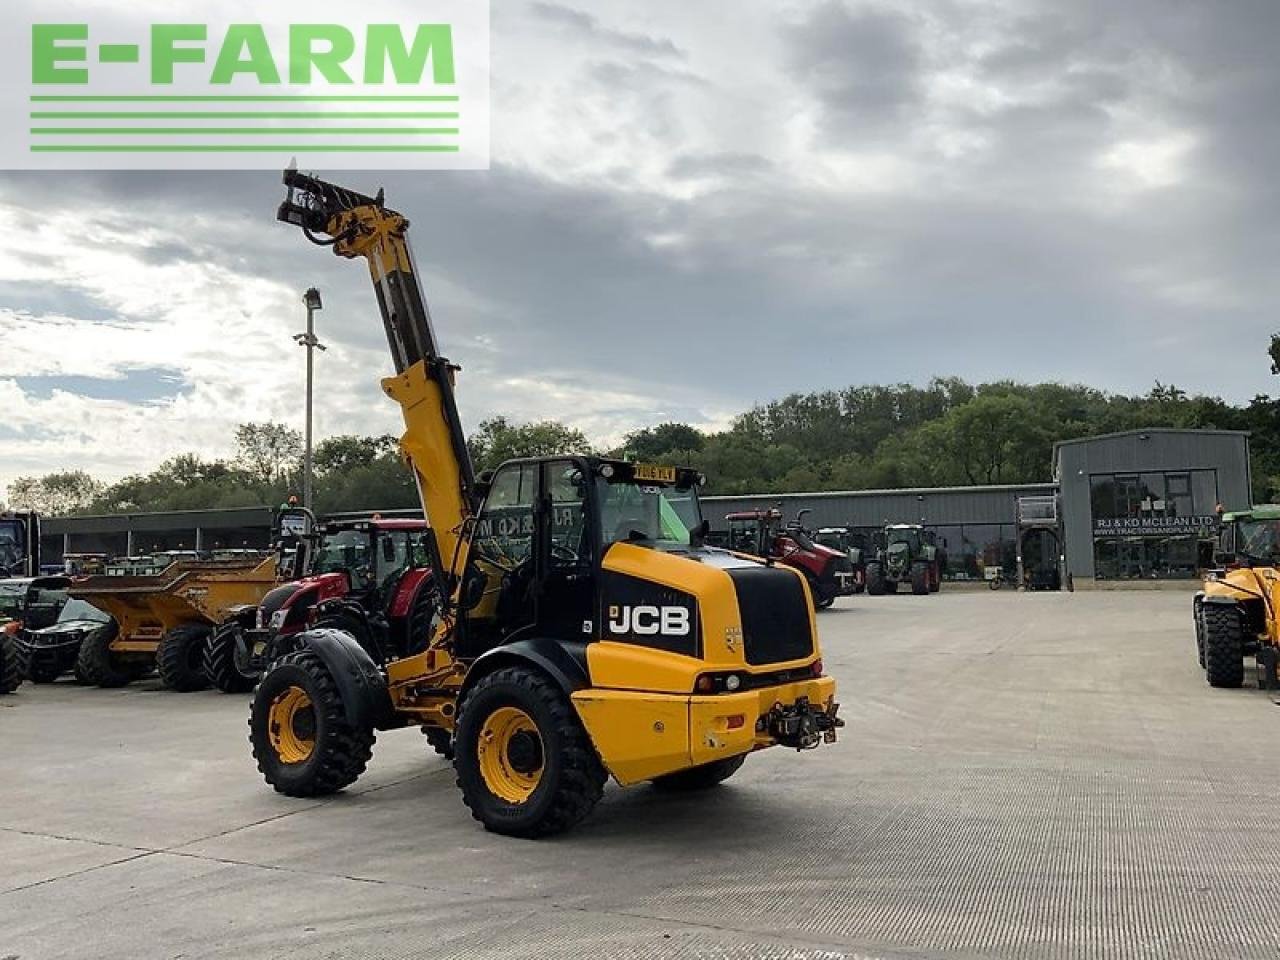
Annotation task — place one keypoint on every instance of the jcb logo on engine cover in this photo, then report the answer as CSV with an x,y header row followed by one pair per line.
x,y
648,621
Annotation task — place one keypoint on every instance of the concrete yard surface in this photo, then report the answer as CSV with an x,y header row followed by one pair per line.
x,y
1040,776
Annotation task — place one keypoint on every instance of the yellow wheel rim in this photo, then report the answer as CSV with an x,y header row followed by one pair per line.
x,y
291,726
510,754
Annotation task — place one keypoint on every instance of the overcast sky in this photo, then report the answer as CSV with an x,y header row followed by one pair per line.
x,y
693,207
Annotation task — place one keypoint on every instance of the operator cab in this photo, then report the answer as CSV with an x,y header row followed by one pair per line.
x,y
544,529
373,554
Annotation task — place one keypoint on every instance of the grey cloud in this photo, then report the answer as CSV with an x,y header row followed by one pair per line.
x,y
591,30
863,65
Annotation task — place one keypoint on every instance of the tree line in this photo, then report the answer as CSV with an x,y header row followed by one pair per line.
x,y
862,437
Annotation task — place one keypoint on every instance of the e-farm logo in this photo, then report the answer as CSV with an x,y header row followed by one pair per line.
x,y
120,93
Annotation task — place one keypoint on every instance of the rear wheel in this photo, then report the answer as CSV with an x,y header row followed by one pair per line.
x,y
37,669
180,657
875,579
301,739
97,665
226,663
10,667
935,578
417,634
1223,645
919,578
821,598
525,765
441,741
1197,616
702,778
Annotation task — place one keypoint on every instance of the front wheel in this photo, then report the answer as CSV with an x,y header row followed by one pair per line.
x,y
703,777
1223,645
10,667
226,660
919,578
525,765
98,666
299,731
875,580
1197,615
180,657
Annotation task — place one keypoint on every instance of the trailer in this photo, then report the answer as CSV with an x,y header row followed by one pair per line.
x,y
163,621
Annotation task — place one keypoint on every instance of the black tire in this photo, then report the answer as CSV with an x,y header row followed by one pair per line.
x,y
1197,616
891,586
570,778
702,778
180,657
875,580
35,669
821,599
935,578
223,667
98,666
920,578
417,633
441,741
1223,645
10,665
339,753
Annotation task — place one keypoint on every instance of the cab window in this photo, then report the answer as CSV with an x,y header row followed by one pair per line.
x,y
504,530
567,489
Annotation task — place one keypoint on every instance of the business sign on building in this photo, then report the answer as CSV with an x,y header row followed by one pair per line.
x,y
1202,526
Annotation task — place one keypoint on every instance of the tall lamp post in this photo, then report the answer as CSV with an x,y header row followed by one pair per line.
x,y
308,340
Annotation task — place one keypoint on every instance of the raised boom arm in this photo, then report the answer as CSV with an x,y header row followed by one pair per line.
x,y
355,225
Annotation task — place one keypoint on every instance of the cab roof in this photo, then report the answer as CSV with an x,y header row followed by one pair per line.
x,y
1262,511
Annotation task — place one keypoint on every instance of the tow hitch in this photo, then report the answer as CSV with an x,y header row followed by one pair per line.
x,y
801,725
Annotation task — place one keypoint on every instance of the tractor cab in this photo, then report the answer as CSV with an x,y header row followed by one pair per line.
x,y
760,532
371,554
19,544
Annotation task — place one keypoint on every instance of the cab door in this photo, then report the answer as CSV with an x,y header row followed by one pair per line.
x,y
566,553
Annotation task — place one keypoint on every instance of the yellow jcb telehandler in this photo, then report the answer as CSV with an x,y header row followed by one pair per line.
x,y
584,629
1235,613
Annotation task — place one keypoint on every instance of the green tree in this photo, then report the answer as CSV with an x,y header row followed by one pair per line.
x,y
54,494
269,451
498,439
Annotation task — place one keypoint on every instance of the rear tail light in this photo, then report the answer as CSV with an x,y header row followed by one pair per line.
x,y
705,684
817,667
736,722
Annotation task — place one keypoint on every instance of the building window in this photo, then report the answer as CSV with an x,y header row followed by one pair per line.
x,y
1153,525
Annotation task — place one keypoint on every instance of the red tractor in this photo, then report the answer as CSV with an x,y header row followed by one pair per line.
x,y
366,577
761,533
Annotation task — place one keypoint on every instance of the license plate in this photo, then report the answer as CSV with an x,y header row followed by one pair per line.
x,y
655,473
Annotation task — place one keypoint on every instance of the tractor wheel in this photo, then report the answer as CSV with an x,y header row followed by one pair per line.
x,y
890,586
34,669
441,741
1223,645
526,766
919,578
10,667
422,617
935,578
875,580
701,778
224,666
299,731
180,657
821,599
1197,616
98,666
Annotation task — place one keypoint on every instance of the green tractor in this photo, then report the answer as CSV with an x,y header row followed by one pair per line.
x,y
910,554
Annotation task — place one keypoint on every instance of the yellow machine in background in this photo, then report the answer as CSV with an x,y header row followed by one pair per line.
x,y
164,620
1235,614
584,627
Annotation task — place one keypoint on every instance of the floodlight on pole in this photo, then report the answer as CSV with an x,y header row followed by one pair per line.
x,y
309,340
